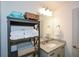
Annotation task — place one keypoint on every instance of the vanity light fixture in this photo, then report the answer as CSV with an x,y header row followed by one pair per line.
x,y
45,11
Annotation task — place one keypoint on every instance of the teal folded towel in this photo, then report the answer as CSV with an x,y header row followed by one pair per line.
x,y
15,14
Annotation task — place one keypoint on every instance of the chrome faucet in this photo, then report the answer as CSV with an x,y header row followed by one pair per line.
x,y
47,38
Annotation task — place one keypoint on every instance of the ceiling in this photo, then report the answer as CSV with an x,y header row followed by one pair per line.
x,y
54,5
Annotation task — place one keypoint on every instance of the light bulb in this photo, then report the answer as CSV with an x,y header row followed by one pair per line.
x,y
42,10
46,12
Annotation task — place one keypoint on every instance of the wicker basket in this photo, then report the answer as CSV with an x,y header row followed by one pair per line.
x,y
31,16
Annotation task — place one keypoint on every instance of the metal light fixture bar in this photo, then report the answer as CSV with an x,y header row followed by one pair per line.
x,y
45,11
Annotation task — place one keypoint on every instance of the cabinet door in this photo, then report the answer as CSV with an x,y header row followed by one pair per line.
x,y
53,53
43,53
63,50
75,31
60,52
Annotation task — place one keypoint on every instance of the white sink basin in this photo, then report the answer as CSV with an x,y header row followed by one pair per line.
x,y
50,45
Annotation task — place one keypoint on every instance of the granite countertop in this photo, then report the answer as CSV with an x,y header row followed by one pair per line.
x,y
54,44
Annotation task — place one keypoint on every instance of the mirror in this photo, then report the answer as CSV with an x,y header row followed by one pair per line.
x,y
46,26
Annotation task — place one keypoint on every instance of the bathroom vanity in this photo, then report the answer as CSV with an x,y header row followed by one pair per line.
x,y
52,48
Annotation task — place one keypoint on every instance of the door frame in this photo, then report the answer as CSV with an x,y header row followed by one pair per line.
x,y
75,13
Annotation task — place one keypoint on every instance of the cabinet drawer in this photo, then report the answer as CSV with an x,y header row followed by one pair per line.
x,y
59,52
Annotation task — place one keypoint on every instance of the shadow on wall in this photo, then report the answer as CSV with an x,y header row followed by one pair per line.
x,y
59,33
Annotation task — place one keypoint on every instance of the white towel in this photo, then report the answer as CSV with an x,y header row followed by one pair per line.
x,y
20,32
25,48
17,35
27,36
31,33
26,45
31,30
14,48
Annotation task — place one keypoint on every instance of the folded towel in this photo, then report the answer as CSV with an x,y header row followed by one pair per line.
x,y
19,32
31,33
25,46
26,51
31,30
16,37
16,14
22,46
27,36
14,48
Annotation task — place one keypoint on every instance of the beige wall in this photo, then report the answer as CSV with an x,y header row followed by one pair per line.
x,y
63,16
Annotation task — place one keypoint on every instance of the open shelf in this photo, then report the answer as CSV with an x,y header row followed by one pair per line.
x,y
27,54
22,22
14,42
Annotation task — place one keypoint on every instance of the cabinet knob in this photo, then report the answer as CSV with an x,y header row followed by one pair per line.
x,y
62,47
74,46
